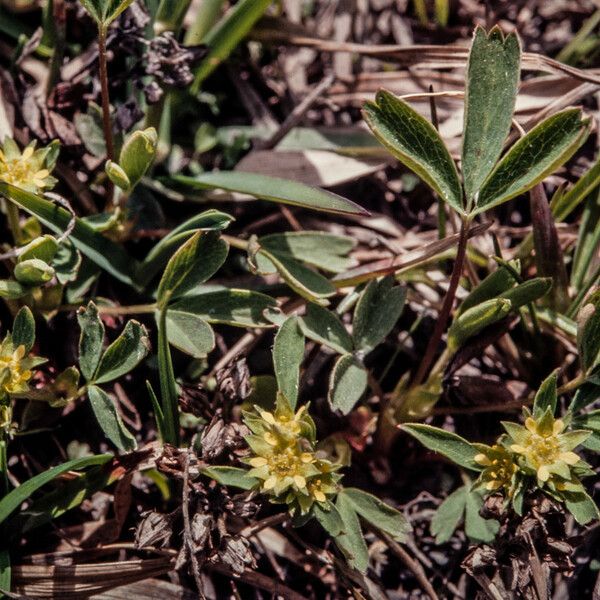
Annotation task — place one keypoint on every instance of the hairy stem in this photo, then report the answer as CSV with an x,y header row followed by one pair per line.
x,y
444,315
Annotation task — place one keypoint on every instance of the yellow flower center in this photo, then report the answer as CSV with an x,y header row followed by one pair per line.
x,y
22,170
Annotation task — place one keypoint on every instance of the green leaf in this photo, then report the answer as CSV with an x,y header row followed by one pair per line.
x,y
189,333
581,506
241,308
330,519
158,412
317,248
66,263
23,332
100,250
415,143
347,383
90,340
5,571
168,385
125,353
449,515
273,189
351,542
231,476
33,272
451,445
324,327
588,332
376,313
223,38
44,248
539,153
307,283
475,319
12,290
288,352
546,396
16,497
138,153
527,292
492,286
588,241
584,396
490,94
109,419
378,513
105,11
195,262
476,527
157,258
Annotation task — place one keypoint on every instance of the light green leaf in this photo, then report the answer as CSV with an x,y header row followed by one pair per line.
x,y
90,340
449,515
378,513
44,248
324,327
588,332
12,290
33,272
100,250
273,189
195,262
231,476
539,153
138,153
490,94
125,353
241,308
109,419
317,248
16,497
288,352
376,313
528,291
415,143
105,11
451,445
189,333
23,331
581,506
347,383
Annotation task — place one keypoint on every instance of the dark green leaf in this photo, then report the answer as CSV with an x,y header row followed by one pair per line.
x,y
197,260
273,189
288,352
451,445
90,340
588,332
347,383
351,542
491,287
581,506
416,143
492,80
324,327
330,519
241,308
546,396
231,476
189,333
125,353
528,291
5,571
109,419
449,515
535,156
376,313
23,332
378,513
476,527
168,385
16,497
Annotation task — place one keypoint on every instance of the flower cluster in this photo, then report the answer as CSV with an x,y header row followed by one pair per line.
x,y
540,448
285,461
30,169
15,368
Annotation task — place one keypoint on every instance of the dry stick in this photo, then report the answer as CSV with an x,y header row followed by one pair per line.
x,y
410,562
187,528
444,315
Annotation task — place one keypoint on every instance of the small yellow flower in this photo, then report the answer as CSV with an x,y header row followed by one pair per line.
x,y
13,376
499,470
544,446
30,169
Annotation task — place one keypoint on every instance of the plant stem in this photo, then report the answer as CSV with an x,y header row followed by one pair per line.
x,y
444,315
572,385
106,124
3,467
12,214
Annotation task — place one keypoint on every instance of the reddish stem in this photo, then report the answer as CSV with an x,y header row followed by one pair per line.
x,y
444,315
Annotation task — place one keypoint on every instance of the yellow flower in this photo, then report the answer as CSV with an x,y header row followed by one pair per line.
x,y
499,470
13,377
544,446
30,169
